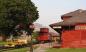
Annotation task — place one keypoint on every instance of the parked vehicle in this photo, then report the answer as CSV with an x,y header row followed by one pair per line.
x,y
16,43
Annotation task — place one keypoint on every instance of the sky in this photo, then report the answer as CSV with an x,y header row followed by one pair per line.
x,y
50,11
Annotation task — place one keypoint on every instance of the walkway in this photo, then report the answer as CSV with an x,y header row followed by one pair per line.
x,y
40,50
42,47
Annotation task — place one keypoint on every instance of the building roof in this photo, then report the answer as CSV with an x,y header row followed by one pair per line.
x,y
71,21
78,13
54,34
78,16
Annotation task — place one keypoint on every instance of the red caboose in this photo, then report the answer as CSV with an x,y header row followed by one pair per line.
x,y
43,34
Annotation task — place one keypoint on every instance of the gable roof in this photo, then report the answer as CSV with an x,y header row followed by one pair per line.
x,y
78,16
71,21
78,13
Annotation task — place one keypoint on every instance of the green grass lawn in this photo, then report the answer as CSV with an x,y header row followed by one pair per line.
x,y
18,50
2,42
66,50
15,50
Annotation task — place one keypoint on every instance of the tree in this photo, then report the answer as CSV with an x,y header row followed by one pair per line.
x,y
16,12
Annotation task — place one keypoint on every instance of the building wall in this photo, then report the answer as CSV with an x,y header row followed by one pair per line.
x,y
74,39
80,27
2,38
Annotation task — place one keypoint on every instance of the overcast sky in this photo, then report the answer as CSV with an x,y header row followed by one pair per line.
x,y
50,11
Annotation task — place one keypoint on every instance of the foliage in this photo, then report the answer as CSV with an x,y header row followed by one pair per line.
x,y
14,12
35,35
